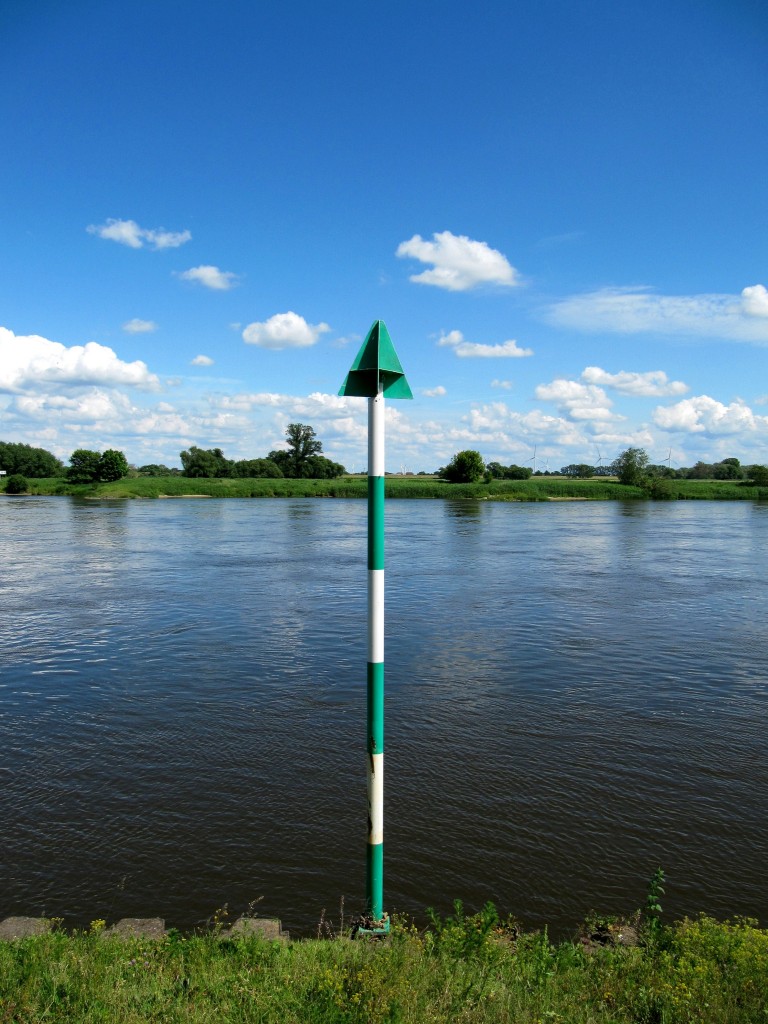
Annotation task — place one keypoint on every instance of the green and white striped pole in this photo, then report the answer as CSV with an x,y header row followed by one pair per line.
x,y
375,862
376,372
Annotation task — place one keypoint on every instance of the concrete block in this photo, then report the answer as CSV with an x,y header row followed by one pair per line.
x,y
137,928
266,927
23,927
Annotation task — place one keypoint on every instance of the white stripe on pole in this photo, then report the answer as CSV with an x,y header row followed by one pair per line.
x,y
376,617
376,435
376,798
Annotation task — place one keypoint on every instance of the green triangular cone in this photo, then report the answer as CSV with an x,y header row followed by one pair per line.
x,y
376,364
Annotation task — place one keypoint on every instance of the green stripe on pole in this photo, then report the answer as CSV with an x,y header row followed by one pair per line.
x,y
376,708
375,522
375,876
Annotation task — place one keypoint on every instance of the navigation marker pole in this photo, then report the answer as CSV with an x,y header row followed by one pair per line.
x,y
376,373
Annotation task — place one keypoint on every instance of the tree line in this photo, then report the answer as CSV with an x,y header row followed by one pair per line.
x,y
632,467
637,464
302,458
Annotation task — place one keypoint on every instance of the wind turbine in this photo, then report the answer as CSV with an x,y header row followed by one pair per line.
x,y
600,459
533,460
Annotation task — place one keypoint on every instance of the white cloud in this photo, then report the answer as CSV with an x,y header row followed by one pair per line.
x,y
498,428
472,350
653,383
577,401
317,404
505,385
459,263
754,300
638,311
211,277
703,414
128,232
284,330
137,326
436,392
29,361
202,361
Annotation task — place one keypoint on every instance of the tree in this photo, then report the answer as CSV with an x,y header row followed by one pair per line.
x,y
113,465
630,466
323,469
758,475
302,457
514,472
302,445
83,466
464,468
728,469
157,469
29,461
581,470
253,468
201,462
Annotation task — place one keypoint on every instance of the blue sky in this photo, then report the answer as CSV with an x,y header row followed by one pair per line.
x,y
558,209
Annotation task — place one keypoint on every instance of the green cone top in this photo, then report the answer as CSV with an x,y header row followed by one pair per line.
x,y
376,366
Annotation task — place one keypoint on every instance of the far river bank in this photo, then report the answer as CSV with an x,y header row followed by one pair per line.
x,y
535,489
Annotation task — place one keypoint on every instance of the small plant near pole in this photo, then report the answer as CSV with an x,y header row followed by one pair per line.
x,y
652,910
375,373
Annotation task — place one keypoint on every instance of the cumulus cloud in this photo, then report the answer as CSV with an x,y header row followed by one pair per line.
x,y
137,326
705,415
436,392
128,232
93,406
458,262
498,428
473,350
577,401
754,300
210,277
27,361
202,361
317,404
654,383
505,385
284,330
637,311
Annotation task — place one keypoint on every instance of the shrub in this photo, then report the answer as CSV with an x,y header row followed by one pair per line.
x,y
661,489
17,484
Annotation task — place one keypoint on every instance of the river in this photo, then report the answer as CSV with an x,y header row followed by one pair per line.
x,y
577,693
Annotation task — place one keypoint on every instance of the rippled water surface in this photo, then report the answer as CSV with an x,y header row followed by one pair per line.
x,y
576,694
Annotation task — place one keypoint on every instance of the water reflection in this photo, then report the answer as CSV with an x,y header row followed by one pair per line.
x,y
464,509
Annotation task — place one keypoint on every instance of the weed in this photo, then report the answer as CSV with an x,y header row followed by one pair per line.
x,y
461,934
653,909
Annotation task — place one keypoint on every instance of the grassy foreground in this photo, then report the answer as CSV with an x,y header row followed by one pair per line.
x,y
535,489
466,969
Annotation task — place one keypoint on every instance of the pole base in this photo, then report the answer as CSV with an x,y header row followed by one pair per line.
x,y
366,926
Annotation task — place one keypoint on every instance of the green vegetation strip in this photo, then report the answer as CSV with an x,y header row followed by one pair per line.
x,y
535,489
466,968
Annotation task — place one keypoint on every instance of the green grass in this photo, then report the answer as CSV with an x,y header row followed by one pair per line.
x,y
471,970
534,489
